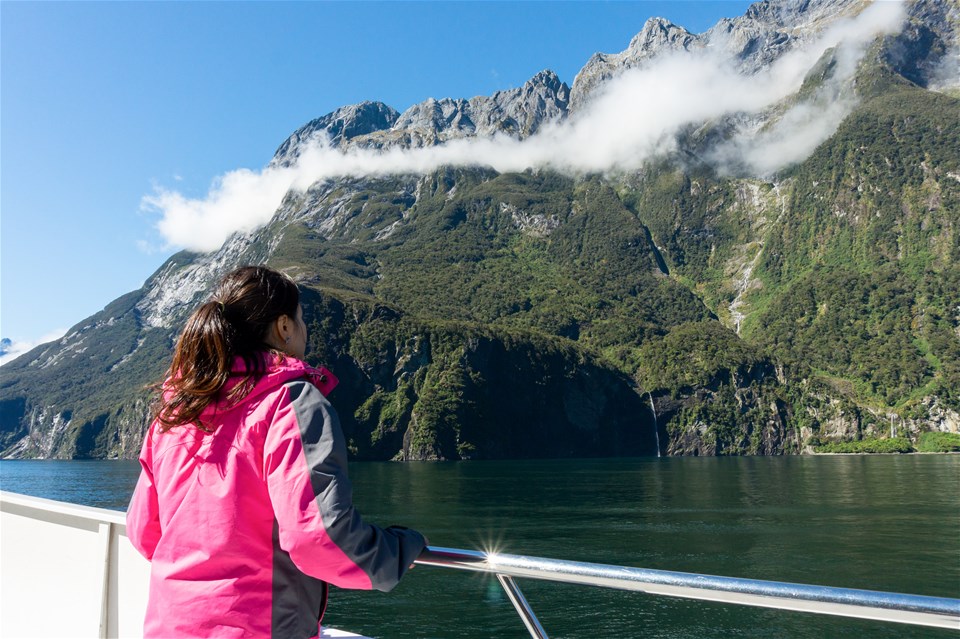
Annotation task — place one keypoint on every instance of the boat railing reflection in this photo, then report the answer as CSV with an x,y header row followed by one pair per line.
x,y
920,610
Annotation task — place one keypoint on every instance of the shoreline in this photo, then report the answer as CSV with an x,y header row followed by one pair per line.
x,y
801,454
913,452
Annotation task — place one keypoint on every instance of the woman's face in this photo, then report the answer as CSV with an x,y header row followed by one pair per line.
x,y
298,336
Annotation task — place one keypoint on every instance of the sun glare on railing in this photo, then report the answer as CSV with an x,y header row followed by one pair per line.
x,y
491,549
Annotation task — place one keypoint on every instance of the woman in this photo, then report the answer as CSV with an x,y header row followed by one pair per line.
x,y
243,506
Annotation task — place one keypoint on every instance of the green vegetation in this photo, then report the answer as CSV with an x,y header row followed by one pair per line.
x,y
860,282
856,326
890,445
698,355
939,443
589,274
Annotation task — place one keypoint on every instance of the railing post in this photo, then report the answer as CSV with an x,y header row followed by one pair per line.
x,y
523,607
105,532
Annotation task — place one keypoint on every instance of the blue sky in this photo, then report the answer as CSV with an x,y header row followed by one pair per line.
x,y
102,102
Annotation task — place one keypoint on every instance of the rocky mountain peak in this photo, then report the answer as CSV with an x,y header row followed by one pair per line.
x,y
547,79
659,34
800,13
341,126
765,32
518,112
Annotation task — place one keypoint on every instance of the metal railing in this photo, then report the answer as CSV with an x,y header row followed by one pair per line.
x,y
940,612
72,554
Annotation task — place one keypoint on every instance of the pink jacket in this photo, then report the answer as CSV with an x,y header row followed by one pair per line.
x,y
244,526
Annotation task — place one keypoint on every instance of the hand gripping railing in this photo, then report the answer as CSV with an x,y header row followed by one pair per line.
x,y
939,612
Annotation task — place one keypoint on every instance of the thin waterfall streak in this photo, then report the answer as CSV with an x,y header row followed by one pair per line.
x,y
656,427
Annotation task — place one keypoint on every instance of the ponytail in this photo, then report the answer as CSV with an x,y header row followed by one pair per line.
x,y
232,324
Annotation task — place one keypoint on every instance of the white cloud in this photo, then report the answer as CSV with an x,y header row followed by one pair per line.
x,y
634,118
238,201
17,347
789,140
806,124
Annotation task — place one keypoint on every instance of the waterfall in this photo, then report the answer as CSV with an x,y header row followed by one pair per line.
x,y
656,427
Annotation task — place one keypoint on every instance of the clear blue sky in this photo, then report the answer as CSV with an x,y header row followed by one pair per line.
x,y
101,101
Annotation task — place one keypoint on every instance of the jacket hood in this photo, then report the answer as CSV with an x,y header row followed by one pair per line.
x,y
278,370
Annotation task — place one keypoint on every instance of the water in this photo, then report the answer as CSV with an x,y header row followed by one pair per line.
x,y
105,484
874,522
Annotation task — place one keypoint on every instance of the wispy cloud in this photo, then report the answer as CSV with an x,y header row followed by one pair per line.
x,y
789,140
794,135
10,349
634,118
947,74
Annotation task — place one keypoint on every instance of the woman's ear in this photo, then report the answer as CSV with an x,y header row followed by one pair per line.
x,y
280,332
286,327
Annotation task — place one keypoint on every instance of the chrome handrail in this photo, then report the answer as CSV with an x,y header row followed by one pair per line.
x,y
939,612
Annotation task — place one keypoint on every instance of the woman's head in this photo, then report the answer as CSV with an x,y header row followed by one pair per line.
x,y
256,302
252,310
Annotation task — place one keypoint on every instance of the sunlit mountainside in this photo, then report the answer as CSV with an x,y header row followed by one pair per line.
x,y
738,242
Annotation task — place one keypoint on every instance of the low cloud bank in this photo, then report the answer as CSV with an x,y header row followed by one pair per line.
x,y
11,349
632,119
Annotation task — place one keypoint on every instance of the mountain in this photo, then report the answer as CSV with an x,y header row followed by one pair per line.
x,y
690,306
518,113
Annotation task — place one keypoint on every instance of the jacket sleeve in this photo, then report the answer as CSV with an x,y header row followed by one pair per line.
x,y
143,513
305,465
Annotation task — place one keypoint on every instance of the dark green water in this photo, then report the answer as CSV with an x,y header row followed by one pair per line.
x,y
874,522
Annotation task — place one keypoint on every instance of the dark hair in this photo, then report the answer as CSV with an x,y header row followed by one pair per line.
x,y
232,324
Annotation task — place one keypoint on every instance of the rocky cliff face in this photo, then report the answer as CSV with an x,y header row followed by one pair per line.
x,y
927,52
420,391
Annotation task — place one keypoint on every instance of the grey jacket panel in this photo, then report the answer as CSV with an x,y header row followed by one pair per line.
x,y
383,554
298,599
